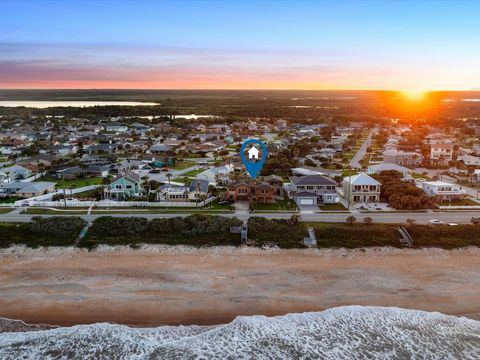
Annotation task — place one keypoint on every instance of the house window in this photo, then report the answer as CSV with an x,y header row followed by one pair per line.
x,y
118,187
128,186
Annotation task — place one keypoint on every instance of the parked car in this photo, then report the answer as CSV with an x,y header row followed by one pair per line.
x,y
436,222
452,224
476,220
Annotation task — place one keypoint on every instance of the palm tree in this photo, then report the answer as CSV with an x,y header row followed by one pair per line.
x,y
83,167
106,181
145,183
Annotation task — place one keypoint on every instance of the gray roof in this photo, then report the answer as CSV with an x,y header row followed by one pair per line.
x,y
26,186
203,184
160,147
312,180
130,176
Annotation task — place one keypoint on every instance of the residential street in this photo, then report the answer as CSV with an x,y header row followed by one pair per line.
x,y
460,217
355,162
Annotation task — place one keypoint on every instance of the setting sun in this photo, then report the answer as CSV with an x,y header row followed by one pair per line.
x,y
414,94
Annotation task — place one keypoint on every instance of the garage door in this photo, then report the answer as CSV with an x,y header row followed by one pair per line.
x,y
306,201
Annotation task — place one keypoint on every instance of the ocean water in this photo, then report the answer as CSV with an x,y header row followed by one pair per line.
x,y
351,332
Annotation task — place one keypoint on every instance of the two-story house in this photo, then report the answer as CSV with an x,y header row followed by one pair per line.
x,y
443,191
124,186
313,189
441,154
361,188
251,191
404,158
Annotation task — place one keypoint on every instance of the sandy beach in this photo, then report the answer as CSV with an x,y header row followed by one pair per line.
x,y
159,285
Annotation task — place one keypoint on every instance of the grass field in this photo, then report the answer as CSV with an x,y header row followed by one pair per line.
x,y
9,200
180,165
193,173
75,183
332,207
5,210
281,205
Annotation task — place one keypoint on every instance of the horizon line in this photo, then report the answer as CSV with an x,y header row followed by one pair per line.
x,y
240,89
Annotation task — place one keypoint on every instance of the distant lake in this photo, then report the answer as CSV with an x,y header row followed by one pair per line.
x,y
46,104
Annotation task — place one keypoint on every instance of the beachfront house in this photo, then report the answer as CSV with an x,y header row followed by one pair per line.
x,y
361,188
251,191
443,191
313,190
124,186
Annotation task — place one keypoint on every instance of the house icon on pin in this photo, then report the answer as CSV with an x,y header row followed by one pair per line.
x,y
253,153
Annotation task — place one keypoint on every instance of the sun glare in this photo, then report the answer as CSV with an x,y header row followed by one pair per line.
x,y
414,94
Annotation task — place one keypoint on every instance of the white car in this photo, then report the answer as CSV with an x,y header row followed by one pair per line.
x,y
452,224
436,222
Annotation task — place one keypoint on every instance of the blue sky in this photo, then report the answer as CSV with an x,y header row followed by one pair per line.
x,y
233,44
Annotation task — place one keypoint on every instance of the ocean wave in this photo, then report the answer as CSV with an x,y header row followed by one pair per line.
x,y
350,332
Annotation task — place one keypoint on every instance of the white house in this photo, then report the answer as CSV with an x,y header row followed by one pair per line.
x,y
443,190
361,188
470,160
442,153
216,175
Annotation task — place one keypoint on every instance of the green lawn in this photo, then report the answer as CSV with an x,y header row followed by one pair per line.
x,y
420,176
193,173
75,183
282,205
347,172
5,210
180,165
331,207
9,200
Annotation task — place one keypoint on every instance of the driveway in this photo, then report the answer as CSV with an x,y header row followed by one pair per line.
x,y
308,208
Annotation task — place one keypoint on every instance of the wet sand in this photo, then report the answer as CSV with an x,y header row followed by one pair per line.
x,y
159,285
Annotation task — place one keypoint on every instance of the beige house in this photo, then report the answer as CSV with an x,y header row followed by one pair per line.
x,y
361,188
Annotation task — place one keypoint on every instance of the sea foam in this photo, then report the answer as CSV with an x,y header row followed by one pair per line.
x,y
351,332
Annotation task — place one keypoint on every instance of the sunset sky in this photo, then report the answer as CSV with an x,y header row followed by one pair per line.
x,y
240,45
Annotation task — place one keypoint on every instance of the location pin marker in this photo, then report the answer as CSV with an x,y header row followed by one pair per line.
x,y
253,162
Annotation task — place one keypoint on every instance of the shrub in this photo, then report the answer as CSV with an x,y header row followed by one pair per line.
x,y
368,220
53,231
351,220
194,230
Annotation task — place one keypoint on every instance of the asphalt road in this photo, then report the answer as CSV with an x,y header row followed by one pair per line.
x,y
460,217
355,162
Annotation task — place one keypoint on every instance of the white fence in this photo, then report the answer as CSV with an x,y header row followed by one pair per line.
x,y
119,204
460,207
